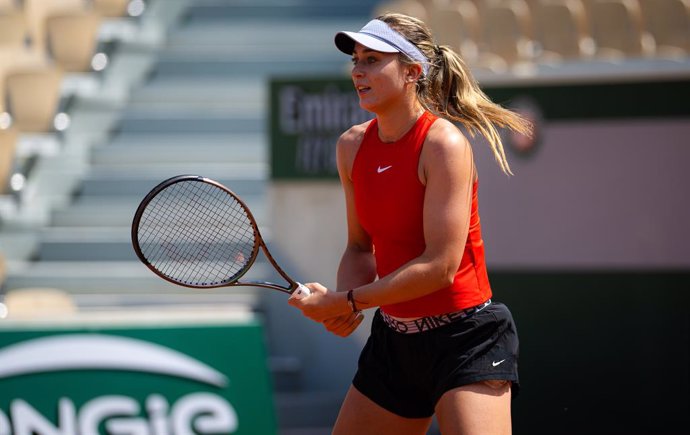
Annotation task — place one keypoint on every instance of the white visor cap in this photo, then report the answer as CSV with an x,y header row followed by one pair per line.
x,y
378,36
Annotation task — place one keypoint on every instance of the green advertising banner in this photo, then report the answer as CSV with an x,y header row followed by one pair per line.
x,y
307,117
174,380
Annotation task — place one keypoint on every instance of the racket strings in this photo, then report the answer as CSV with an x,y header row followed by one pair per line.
x,y
197,203
197,233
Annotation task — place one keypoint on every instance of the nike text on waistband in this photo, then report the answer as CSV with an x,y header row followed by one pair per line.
x,y
430,322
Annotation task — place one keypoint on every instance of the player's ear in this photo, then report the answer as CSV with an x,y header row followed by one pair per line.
x,y
414,72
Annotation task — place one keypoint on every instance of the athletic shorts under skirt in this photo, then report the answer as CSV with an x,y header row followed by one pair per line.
x,y
408,373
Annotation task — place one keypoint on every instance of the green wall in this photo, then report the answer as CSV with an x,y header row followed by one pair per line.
x,y
600,352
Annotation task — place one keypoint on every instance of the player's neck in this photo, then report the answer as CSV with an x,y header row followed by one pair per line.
x,y
394,123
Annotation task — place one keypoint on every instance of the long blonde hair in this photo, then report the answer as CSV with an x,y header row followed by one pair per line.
x,y
450,90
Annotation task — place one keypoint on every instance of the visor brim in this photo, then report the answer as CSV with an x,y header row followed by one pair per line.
x,y
345,41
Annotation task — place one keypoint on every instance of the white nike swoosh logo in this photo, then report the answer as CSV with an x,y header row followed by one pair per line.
x,y
102,352
380,169
496,363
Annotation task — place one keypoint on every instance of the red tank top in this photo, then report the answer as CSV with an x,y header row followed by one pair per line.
x,y
389,199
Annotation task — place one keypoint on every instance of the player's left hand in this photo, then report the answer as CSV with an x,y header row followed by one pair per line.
x,y
321,304
344,325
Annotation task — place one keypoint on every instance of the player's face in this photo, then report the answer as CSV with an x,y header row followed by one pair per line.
x,y
379,78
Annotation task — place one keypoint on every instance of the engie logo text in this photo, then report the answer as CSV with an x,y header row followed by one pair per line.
x,y
92,384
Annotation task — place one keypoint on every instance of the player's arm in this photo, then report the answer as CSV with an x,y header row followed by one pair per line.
x,y
357,265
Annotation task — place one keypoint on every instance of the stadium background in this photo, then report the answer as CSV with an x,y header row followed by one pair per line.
x,y
587,243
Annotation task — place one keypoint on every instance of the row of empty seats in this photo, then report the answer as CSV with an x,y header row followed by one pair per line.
x,y
500,33
44,46
42,42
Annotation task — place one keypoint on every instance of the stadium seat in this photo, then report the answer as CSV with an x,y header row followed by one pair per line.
x,y
33,96
412,8
6,5
618,30
669,23
13,29
562,30
3,267
37,12
8,146
110,8
15,58
72,39
507,32
38,302
456,23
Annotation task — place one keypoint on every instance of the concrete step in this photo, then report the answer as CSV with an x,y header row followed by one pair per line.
x,y
253,48
124,280
188,122
161,138
248,95
198,65
177,163
270,37
136,150
86,244
250,50
246,179
119,211
228,10
95,244
173,103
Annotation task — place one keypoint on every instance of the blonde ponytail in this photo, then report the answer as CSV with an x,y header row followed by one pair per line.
x,y
450,90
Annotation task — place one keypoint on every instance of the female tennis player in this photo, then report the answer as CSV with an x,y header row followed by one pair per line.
x,y
438,344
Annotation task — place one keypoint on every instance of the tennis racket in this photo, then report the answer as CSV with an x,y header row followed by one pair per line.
x,y
195,232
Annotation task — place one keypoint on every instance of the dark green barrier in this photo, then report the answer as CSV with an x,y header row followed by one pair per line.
x,y
601,352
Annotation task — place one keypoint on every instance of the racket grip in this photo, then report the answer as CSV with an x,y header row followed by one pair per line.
x,y
301,292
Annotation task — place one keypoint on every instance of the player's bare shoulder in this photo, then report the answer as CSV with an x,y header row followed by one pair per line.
x,y
445,149
352,138
444,134
348,145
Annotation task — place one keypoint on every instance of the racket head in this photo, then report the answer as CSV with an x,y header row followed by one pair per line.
x,y
195,232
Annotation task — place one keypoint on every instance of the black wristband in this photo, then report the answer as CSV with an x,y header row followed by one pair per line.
x,y
351,301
